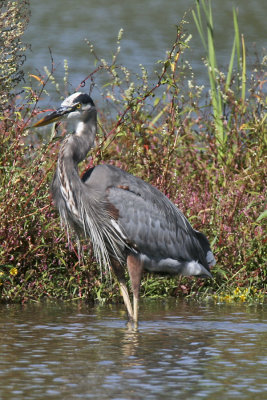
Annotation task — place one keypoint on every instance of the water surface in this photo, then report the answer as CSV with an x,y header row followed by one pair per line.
x,y
149,30
180,351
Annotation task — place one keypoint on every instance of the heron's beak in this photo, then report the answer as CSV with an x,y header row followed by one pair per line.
x,y
53,116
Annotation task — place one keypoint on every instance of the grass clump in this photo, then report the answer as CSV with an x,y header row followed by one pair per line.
x,y
166,133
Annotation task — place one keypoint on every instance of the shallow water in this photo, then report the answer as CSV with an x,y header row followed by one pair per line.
x,y
187,351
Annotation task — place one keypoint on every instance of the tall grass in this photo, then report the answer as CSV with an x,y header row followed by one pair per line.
x,y
219,88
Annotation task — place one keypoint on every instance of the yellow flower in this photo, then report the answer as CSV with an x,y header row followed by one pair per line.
x,y
237,291
1,274
13,271
242,297
227,298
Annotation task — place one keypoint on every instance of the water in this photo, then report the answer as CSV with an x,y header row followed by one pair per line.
x,y
149,30
180,351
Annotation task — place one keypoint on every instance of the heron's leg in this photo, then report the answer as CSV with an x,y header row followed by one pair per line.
x,y
135,269
120,275
126,299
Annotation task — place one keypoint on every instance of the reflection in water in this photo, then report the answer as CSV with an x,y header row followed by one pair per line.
x,y
130,343
179,351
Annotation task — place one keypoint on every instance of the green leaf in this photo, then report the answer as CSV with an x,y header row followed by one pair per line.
x,y
263,215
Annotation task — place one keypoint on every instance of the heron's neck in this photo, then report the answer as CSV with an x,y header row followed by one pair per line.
x,y
76,146
72,151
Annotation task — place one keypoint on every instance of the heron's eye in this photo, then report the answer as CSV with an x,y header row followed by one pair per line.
x,y
79,105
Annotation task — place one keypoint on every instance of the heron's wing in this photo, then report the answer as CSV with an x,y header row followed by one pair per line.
x,y
151,223
148,220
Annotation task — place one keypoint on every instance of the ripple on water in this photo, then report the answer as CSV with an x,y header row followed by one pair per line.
x,y
178,352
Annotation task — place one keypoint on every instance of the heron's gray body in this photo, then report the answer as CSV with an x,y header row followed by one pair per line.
x,y
144,220
128,220
152,226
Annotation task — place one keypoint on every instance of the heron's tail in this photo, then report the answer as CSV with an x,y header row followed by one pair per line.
x,y
210,259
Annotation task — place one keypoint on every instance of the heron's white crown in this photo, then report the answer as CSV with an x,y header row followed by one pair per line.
x,y
70,101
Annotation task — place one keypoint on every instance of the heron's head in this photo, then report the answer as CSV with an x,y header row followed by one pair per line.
x,y
78,107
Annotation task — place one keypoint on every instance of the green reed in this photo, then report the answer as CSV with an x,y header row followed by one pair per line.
x,y
219,86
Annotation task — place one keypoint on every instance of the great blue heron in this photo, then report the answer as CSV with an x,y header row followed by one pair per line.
x,y
128,220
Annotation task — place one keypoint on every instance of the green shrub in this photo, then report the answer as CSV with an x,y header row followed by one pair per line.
x,y
14,17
